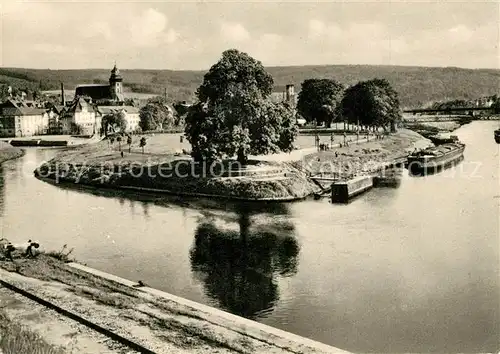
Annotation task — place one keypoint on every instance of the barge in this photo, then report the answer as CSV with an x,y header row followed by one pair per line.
x,y
436,158
440,139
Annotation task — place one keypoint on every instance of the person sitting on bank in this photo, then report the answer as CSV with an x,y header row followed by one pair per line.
x,y
28,249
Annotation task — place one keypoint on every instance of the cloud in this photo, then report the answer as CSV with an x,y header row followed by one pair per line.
x,y
188,35
234,32
99,30
149,29
321,30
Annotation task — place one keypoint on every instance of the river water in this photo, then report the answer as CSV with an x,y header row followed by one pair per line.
x,y
413,269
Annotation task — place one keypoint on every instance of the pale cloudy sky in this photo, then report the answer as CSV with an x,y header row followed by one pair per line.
x,y
192,35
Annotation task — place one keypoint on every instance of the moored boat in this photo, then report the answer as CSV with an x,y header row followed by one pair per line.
x,y
440,139
497,136
436,158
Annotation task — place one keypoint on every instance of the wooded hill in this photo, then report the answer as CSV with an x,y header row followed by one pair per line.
x,y
417,86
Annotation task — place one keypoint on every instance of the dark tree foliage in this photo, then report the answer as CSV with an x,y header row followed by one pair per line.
x,y
154,116
371,103
142,143
114,121
318,100
234,115
234,67
496,105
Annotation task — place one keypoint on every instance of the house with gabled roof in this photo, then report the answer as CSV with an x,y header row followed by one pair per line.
x,y
17,120
80,117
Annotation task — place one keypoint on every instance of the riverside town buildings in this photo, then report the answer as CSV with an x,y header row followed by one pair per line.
x,y
83,115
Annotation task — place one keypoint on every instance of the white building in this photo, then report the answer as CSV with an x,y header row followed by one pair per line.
x,y
131,115
17,120
80,118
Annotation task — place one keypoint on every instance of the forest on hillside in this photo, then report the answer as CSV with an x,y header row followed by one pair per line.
x,y
417,86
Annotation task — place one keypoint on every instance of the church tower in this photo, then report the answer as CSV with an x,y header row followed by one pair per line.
x,y
115,85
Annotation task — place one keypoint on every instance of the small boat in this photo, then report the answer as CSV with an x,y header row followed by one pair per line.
x,y
497,136
436,158
440,139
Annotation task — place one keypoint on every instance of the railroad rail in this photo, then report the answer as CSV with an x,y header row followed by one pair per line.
x,y
116,337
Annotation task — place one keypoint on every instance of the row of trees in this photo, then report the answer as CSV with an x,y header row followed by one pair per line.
x,y
372,103
234,115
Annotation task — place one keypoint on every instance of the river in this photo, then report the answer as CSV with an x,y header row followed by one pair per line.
x,y
413,269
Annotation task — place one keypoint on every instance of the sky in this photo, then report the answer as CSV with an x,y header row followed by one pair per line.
x,y
191,35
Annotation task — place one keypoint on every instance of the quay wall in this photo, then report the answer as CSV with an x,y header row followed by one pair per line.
x,y
342,191
252,328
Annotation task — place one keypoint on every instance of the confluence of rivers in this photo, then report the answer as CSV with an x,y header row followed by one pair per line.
x,y
413,269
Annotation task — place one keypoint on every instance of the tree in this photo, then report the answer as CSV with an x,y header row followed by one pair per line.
x,y
129,143
76,129
318,100
495,104
181,110
234,115
114,121
154,116
372,103
119,140
233,68
142,144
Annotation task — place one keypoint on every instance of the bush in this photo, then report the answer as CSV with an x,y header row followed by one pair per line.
x,y
16,340
62,255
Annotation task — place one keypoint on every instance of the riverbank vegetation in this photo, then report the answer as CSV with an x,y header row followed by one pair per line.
x,y
9,152
15,339
157,323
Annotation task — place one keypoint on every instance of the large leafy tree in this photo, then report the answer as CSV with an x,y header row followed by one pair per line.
x,y
114,121
154,116
371,103
318,100
234,67
234,116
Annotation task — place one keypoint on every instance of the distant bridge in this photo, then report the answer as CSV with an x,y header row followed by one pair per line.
x,y
420,115
449,110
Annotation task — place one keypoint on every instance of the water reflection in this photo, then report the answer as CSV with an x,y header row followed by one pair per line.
x,y
239,268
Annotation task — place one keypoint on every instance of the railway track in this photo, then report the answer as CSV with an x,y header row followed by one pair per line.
x,y
68,314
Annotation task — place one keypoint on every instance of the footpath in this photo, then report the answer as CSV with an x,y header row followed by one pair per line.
x,y
155,321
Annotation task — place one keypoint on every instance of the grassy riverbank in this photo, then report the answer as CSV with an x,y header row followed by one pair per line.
x,y
160,168
163,169
163,326
364,158
8,152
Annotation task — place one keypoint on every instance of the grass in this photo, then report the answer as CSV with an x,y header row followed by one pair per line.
x,y
8,152
14,339
63,255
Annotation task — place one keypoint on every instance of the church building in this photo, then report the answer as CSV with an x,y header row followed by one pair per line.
x,y
104,93
93,101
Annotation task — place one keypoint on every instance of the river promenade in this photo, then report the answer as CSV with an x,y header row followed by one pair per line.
x,y
143,318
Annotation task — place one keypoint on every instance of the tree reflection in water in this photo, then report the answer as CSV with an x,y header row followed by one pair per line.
x,y
239,268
